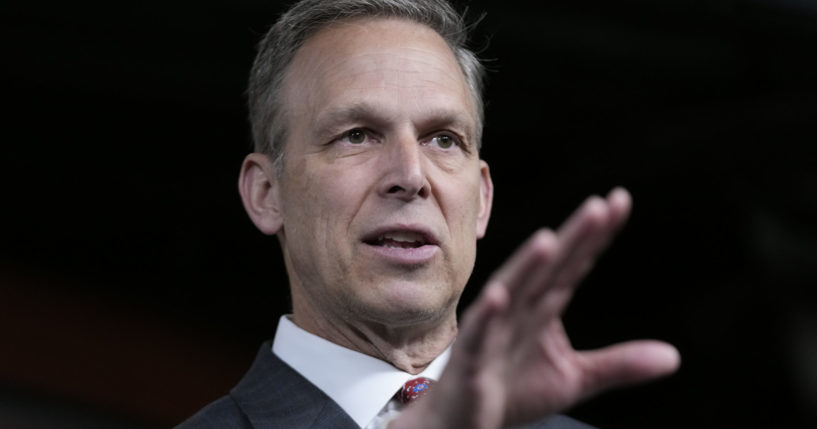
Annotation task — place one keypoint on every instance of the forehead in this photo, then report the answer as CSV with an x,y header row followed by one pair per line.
x,y
393,63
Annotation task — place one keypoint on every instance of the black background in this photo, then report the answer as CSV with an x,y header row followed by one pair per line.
x,y
125,127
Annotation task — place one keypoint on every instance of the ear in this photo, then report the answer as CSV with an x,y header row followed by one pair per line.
x,y
258,185
486,198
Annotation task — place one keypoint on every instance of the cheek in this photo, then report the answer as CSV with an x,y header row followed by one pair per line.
x,y
303,210
460,204
463,203
321,203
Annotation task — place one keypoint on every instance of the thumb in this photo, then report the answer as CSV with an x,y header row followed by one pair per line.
x,y
627,363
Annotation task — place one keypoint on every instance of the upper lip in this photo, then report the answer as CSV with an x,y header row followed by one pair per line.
x,y
426,234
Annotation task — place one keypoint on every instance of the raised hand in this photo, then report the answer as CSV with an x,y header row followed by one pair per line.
x,y
512,361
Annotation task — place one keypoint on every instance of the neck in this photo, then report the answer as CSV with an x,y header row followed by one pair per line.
x,y
409,348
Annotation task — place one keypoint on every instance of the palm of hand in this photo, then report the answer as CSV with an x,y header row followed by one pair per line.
x,y
513,362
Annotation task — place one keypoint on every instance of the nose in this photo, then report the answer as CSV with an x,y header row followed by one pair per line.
x,y
404,176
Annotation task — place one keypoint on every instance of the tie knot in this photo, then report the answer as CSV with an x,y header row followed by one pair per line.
x,y
414,389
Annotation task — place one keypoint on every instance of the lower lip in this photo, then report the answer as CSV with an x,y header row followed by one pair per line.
x,y
405,256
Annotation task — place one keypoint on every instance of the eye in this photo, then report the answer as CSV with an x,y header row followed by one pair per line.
x,y
356,136
444,141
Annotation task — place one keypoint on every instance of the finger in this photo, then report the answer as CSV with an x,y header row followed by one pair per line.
x,y
528,265
546,259
462,384
592,226
598,217
579,240
473,335
626,364
582,239
511,279
535,253
532,272
620,203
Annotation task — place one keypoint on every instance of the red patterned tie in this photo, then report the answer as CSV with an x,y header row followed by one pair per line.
x,y
414,389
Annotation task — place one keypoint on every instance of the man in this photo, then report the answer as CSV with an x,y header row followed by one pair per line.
x,y
367,118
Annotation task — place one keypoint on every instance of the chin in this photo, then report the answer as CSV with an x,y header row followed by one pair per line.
x,y
407,317
405,305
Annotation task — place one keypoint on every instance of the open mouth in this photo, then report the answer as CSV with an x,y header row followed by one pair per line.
x,y
402,245
400,240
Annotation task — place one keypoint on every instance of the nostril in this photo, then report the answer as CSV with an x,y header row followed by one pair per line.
x,y
395,189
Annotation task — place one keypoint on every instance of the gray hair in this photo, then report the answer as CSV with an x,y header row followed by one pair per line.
x,y
277,49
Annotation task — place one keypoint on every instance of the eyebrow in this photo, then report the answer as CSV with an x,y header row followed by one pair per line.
x,y
336,120
333,120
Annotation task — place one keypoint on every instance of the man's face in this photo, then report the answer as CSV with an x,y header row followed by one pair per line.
x,y
382,194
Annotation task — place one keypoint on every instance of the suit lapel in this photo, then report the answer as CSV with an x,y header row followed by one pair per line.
x,y
273,395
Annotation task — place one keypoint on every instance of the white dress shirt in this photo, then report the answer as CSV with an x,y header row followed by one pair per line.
x,y
360,384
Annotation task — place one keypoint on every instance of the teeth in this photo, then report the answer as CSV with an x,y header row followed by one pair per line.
x,y
403,237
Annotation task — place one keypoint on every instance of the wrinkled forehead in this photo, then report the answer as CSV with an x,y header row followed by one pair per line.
x,y
371,54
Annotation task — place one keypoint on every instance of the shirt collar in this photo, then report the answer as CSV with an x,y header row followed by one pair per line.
x,y
360,384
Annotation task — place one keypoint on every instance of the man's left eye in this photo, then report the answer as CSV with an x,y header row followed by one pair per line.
x,y
444,141
356,136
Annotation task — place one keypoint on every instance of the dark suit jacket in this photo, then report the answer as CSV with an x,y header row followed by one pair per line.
x,y
272,395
